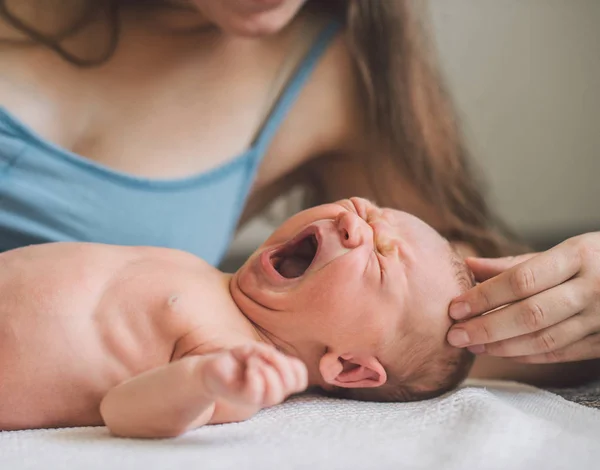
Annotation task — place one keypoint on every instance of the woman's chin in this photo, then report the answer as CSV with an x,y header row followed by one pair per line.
x,y
254,28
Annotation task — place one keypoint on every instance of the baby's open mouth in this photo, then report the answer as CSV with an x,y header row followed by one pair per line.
x,y
295,257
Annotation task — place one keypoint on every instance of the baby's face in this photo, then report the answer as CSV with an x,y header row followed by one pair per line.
x,y
349,276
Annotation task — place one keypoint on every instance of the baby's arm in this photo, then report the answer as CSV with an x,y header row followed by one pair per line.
x,y
170,400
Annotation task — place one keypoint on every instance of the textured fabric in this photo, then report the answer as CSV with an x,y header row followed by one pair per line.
x,y
587,394
494,425
50,194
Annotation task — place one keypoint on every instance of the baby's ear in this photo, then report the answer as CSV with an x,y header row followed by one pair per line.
x,y
348,371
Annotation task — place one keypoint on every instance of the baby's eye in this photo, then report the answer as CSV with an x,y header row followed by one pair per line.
x,y
385,247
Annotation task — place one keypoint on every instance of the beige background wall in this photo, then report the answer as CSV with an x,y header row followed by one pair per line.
x,y
526,78
525,75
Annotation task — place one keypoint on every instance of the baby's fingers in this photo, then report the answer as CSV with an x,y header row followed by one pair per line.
x,y
274,392
283,366
300,375
274,358
254,382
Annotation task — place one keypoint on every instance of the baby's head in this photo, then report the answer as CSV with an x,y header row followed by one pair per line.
x,y
361,295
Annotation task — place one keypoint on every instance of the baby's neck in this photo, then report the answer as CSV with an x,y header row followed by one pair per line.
x,y
275,336
212,321
245,312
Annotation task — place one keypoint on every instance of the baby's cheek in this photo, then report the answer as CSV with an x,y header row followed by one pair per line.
x,y
339,286
320,290
335,299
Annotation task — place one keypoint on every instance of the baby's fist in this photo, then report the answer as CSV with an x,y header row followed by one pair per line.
x,y
255,374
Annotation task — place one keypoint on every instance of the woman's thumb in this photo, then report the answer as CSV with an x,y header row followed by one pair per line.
x,y
486,268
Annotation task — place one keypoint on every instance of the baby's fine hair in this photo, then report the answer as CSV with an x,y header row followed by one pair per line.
x,y
432,370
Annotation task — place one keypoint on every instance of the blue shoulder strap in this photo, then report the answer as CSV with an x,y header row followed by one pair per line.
x,y
289,95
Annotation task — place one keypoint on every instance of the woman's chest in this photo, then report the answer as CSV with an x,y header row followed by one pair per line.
x,y
157,109
159,145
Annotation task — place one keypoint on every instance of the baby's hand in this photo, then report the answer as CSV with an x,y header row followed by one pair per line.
x,y
254,374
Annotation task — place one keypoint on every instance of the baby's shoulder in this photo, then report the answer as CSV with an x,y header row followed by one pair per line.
x,y
197,304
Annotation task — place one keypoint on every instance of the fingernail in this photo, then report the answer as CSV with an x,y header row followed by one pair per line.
x,y
459,310
477,349
458,338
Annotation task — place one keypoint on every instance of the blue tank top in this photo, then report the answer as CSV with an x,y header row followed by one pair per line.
x,y
49,194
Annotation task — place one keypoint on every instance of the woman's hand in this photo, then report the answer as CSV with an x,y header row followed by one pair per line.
x,y
550,305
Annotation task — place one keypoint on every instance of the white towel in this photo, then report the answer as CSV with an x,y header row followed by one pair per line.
x,y
486,425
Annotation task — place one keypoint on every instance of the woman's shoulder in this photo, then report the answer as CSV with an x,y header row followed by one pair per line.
x,y
334,88
326,117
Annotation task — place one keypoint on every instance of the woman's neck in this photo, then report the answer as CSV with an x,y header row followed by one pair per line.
x,y
170,16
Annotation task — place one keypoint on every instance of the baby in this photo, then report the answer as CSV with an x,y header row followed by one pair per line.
x,y
152,342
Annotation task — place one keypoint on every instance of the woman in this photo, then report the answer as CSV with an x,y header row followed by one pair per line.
x,y
170,122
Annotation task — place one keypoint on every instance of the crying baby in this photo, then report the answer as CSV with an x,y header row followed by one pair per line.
x,y
347,297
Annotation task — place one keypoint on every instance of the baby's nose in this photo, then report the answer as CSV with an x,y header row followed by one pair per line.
x,y
352,229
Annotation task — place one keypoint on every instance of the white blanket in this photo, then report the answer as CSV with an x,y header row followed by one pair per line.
x,y
486,425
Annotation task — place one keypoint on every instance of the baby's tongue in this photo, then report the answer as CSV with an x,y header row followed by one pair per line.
x,y
293,266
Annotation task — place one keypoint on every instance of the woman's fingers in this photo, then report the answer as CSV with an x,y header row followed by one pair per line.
x,y
540,308
587,348
528,278
550,339
486,268
533,314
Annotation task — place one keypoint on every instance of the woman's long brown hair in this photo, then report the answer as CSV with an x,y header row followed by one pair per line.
x,y
413,120
411,117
